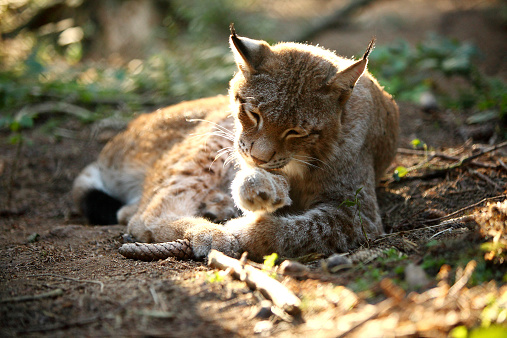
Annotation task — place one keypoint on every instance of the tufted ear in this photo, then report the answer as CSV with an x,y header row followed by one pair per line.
x,y
249,54
346,79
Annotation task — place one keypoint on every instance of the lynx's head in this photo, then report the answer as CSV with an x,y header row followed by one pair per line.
x,y
288,100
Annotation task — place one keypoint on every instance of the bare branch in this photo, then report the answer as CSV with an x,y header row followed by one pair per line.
x,y
256,279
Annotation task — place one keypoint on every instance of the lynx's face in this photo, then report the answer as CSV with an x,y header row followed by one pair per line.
x,y
287,101
272,131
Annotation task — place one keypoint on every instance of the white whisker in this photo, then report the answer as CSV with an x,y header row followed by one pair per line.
x,y
223,151
307,163
215,133
216,125
230,158
310,158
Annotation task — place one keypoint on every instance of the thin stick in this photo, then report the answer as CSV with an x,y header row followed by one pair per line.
x,y
72,279
439,171
256,279
493,148
463,280
52,293
502,164
443,223
466,208
426,153
433,154
485,178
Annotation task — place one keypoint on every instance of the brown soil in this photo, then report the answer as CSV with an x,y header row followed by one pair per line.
x,y
47,247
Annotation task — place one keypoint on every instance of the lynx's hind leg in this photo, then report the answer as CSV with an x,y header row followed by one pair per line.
x,y
92,199
161,218
125,214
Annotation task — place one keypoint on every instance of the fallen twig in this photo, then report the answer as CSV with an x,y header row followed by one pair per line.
x,y
52,293
502,164
72,279
485,179
452,221
440,171
444,220
56,106
463,280
466,208
433,154
256,279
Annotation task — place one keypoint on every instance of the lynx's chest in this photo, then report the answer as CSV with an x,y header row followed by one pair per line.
x,y
304,186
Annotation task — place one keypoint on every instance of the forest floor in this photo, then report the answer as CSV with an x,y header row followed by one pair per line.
x,y
61,277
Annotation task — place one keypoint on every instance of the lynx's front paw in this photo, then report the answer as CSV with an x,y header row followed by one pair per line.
x,y
259,190
207,236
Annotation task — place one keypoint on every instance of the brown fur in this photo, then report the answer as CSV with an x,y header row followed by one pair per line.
x,y
306,128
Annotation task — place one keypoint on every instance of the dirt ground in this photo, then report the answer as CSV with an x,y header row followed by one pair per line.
x,y
87,288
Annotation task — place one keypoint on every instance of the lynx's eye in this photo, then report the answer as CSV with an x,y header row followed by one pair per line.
x,y
295,132
254,117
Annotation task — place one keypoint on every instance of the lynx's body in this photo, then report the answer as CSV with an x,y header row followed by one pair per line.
x,y
301,131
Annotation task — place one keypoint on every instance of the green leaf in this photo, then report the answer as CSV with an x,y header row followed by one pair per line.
x,y
26,121
15,126
459,332
269,261
15,139
416,143
400,171
494,331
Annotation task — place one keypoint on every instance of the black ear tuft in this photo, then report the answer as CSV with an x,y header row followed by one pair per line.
x,y
240,46
371,45
249,54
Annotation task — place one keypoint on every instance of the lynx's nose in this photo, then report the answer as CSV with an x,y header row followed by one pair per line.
x,y
257,161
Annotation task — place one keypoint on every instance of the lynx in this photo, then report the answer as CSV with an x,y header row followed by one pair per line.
x,y
301,131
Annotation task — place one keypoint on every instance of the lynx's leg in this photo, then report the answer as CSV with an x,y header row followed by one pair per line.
x,y
161,220
324,229
126,212
327,227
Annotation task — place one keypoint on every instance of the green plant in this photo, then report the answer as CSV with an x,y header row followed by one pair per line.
x,y
357,203
214,277
402,171
391,255
408,71
390,263
15,125
269,264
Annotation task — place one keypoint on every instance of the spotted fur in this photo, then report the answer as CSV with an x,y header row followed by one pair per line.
x,y
300,132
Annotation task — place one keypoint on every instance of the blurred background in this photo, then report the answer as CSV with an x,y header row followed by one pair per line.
x,y
111,58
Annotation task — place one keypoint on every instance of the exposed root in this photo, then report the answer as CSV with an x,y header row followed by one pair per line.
x,y
180,249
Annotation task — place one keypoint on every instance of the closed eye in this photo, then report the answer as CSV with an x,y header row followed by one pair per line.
x,y
291,133
255,117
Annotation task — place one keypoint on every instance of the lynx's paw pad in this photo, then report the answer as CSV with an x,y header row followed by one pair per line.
x,y
258,190
205,237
